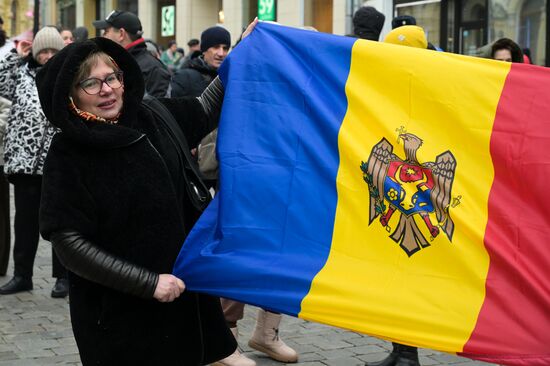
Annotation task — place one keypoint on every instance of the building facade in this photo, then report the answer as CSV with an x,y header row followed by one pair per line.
x,y
460,26
18,16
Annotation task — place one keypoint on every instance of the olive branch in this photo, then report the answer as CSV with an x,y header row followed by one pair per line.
x,y
379,205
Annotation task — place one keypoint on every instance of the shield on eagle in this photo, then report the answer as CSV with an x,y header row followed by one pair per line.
x,y
411,189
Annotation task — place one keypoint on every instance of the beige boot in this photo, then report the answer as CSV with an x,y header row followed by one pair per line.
x,y
236,358
266,338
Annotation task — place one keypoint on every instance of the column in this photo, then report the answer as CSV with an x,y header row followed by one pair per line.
x,y
194,16
290,12
233,12
147,13
339,17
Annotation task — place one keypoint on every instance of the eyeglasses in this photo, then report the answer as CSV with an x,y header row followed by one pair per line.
x,y
93,86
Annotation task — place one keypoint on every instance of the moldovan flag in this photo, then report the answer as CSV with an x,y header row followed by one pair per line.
x,y
393,191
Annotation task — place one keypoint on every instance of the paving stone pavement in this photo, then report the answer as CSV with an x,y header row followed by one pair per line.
x,y
35,330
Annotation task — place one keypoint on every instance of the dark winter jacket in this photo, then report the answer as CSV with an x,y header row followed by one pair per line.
x,y
368,23
156,75
114,206
192,80
28,133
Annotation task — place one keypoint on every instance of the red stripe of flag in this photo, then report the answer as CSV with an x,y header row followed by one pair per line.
x,y
516,309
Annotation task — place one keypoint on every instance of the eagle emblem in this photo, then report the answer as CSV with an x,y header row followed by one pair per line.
x,y
413,189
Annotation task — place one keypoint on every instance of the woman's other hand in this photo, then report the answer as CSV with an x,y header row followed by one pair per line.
x,y
250,28
23,48
168,288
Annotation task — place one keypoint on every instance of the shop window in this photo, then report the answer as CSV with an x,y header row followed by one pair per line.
x,y
451,44
532,29
524,22
473,11
66,13
161,40
427,15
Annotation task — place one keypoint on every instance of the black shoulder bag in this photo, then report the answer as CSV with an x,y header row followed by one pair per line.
x,y
197,191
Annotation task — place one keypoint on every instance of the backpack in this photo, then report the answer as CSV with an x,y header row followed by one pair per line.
x,y
206,152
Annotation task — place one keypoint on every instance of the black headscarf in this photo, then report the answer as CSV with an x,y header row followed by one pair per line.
x,y
368,23
55,80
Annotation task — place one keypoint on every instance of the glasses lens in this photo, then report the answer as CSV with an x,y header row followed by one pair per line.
x,y
114,80
91,86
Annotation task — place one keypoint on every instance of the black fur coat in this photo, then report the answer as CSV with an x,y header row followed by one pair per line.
x,y
119,187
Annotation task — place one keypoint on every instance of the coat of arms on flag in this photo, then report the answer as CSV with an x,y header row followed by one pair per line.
x,y
412,188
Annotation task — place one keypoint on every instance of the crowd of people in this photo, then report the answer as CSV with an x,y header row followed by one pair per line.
x,y
72,146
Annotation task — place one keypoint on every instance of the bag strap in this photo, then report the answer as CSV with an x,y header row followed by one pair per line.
x,y
197,191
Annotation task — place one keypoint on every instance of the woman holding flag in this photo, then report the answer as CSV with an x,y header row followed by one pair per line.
x,y
116,211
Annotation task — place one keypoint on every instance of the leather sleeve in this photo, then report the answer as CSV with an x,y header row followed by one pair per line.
x,y
211,100
89,261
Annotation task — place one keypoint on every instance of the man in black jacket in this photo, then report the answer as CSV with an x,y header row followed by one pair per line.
x,y
125,29
195,75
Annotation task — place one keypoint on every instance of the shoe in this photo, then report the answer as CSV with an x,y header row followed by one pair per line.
x,y
236,358
266,338
15,285
61,288
401,355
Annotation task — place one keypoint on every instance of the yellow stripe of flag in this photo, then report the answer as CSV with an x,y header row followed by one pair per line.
x,y
451,106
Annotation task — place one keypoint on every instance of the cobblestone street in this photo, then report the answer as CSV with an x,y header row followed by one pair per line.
x,y
35,330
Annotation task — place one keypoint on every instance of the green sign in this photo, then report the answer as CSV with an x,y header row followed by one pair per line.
x,y
266,10
168,23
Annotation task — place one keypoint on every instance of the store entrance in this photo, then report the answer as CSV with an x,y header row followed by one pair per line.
x,y
471,21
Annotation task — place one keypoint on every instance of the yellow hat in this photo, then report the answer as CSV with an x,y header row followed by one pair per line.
x,y
408,35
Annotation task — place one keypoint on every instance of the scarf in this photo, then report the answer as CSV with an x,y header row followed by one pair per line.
x,y
87,116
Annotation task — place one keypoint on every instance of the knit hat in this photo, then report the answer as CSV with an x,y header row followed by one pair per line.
x,y
408,35
368,23
213,36
402,20
47,37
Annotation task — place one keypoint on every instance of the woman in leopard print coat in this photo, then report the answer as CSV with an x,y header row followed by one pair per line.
x,y
26,143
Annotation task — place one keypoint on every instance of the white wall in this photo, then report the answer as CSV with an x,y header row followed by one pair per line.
x,y
233,11
147,13
290,12
194,16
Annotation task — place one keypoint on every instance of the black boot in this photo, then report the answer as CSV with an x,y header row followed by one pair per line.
x,y
61,288
401,355
15,285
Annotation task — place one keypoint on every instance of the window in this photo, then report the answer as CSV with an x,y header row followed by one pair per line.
x,y
523,21
66,13
427,14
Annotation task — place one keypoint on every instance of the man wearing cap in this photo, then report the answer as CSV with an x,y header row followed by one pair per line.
x,y
193,78
125,29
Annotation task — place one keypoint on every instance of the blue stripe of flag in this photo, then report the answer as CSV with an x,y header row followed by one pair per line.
x,y
269,231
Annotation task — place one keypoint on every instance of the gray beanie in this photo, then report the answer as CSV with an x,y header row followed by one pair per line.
x,y
47,37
